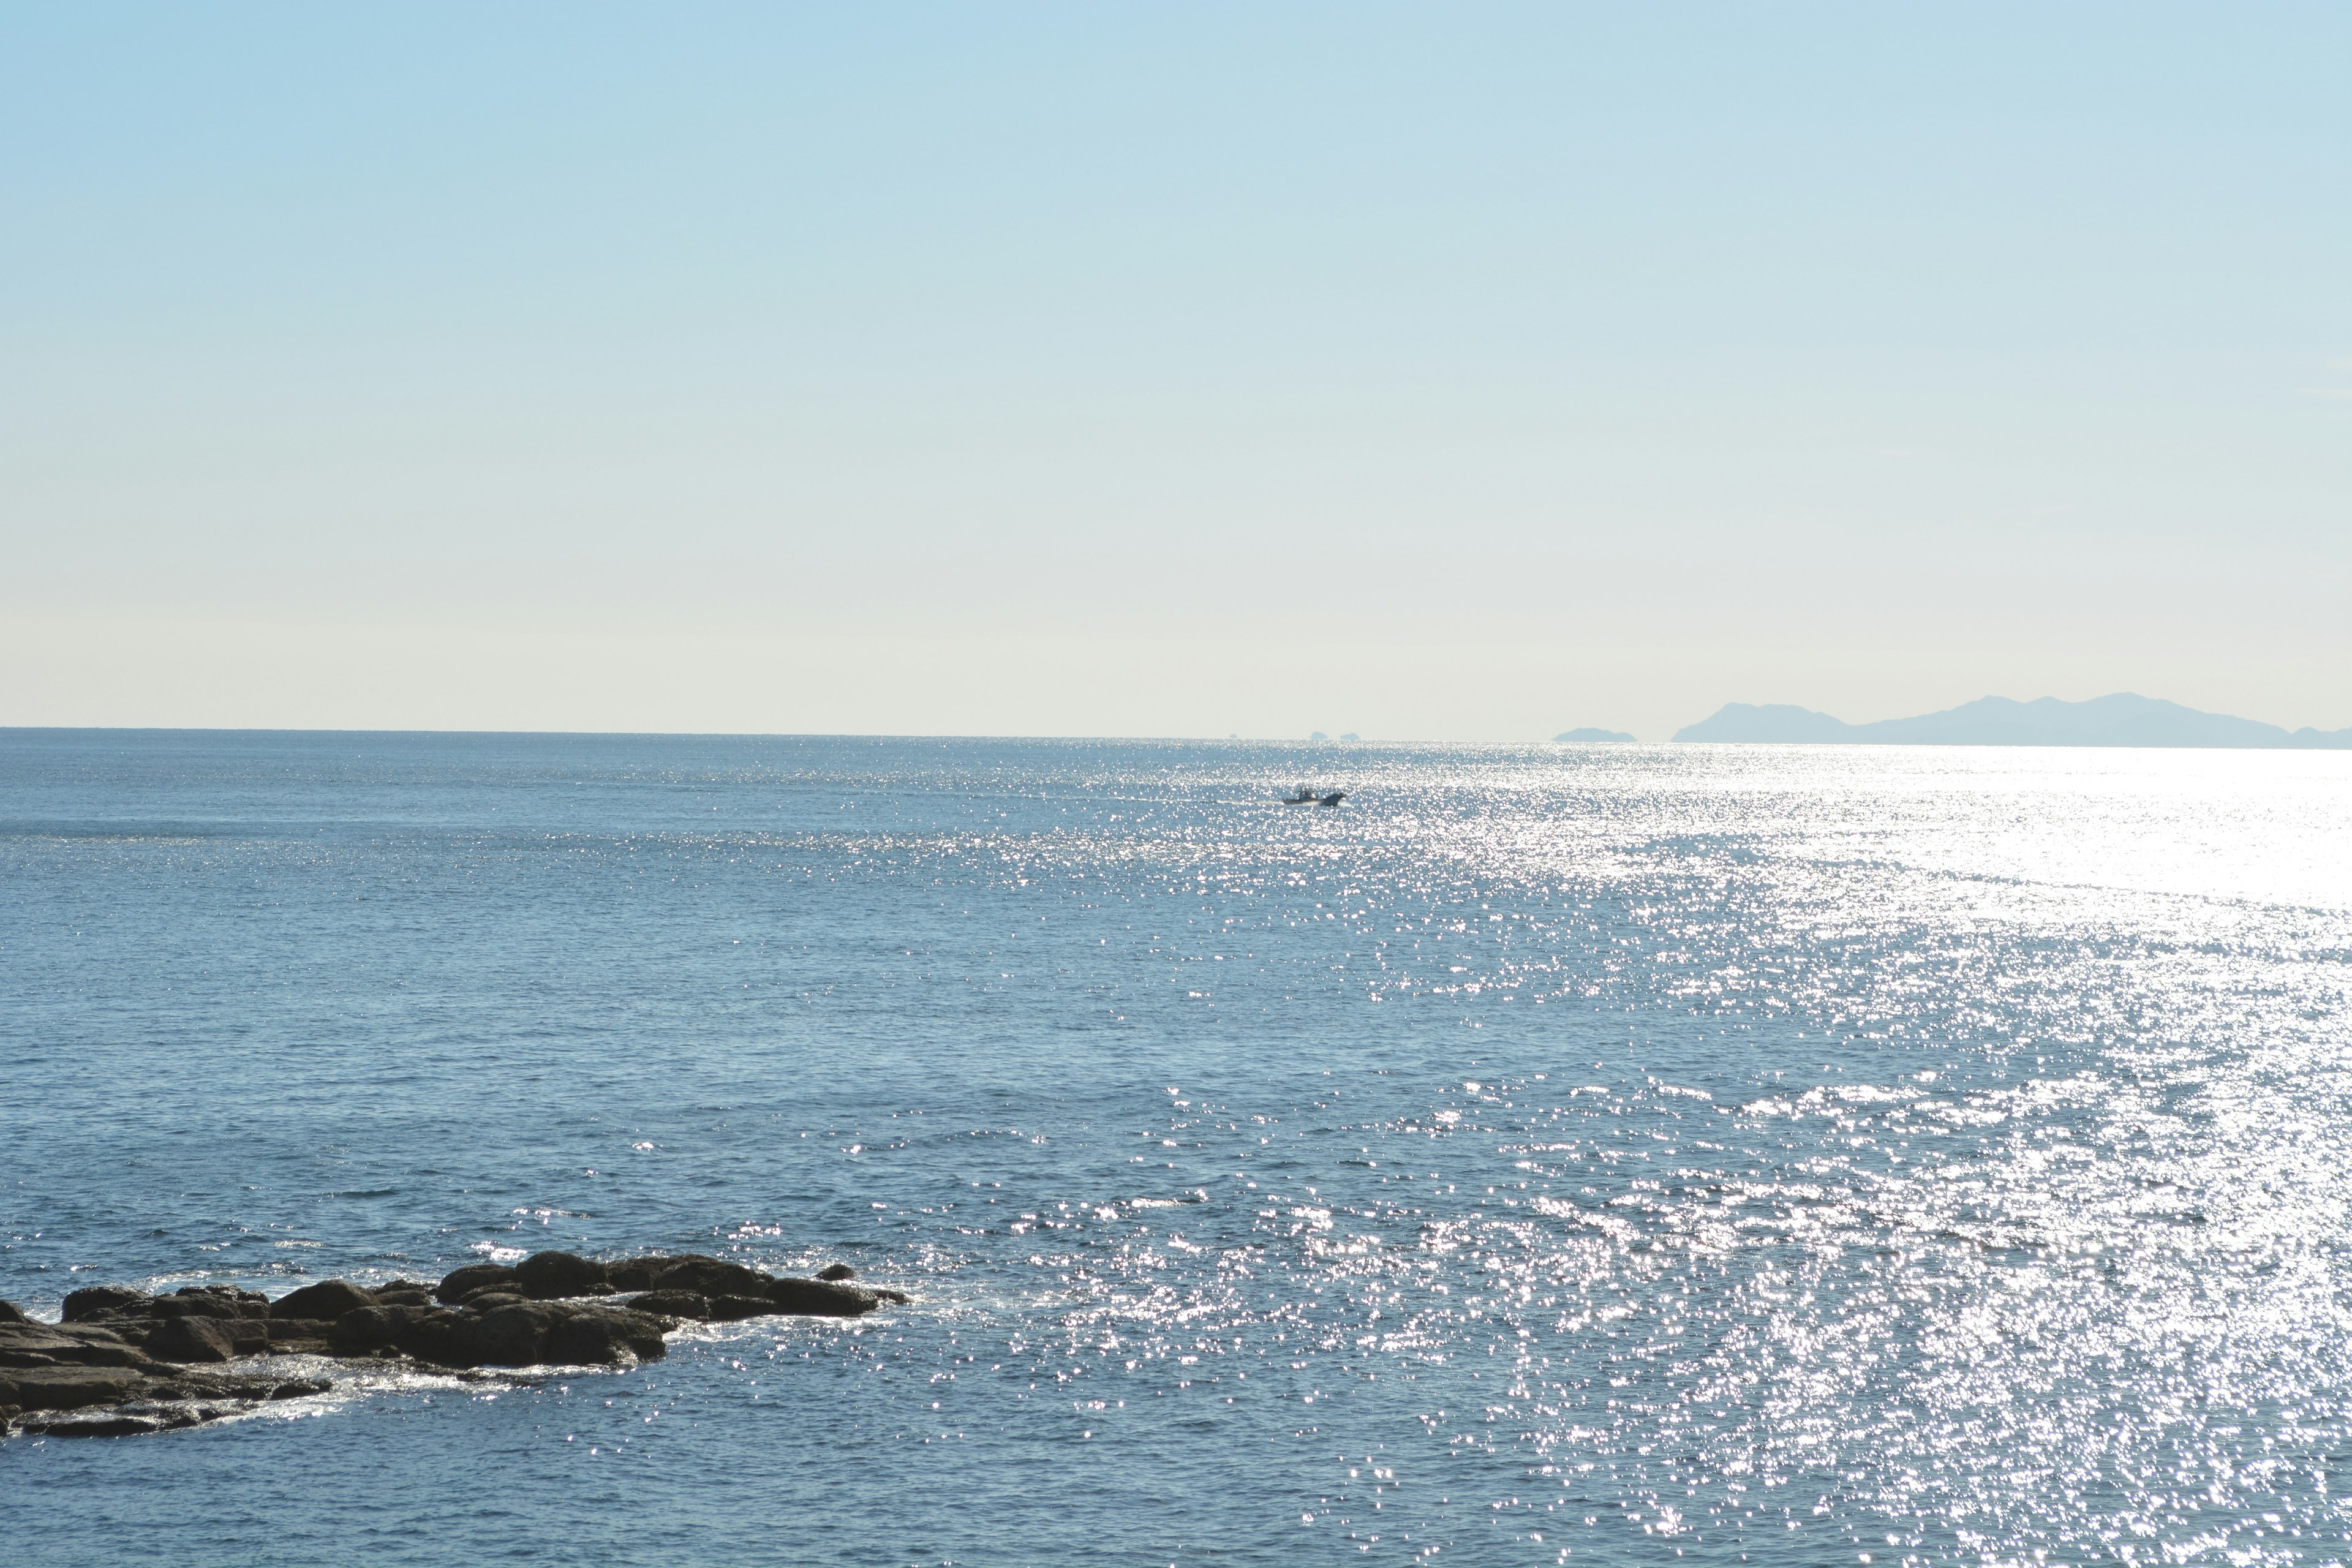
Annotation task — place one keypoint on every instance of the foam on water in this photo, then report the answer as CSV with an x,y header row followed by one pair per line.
x,y
1592,1155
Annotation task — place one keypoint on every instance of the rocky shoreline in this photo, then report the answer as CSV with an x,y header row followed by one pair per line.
x,y
123,1361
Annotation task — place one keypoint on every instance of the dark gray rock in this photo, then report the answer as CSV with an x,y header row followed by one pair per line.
x,y
297,1328
116,1425
326,1300
459,1283
370,1329
735,1309
553,1276
712,1277
96,1299
636,1273
490,1301
822,1298
164,1308
511,1335
67,1387
836,1271
66,1344
674,1303
196,1338
442,1336
11,1313
598,1336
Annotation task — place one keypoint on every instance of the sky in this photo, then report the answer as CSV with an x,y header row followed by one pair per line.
x,y
1433,372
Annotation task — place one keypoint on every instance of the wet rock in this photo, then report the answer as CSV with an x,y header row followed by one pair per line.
x,y
735,1309
712,1277
112,1426
459,1283
135,1363
326,1300
194,1339
97,1299
594,1336
247,1299
67,1387
283,1328
71,1344
439,1335
11,1313
493,1298
553,1276
836,1271
370,1329
513,1335
636,1273
824,1298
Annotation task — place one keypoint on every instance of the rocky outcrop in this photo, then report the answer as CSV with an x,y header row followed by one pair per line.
x,y
125,1357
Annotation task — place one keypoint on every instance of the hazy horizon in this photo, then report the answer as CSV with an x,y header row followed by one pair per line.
x,y
1312,738
1459,377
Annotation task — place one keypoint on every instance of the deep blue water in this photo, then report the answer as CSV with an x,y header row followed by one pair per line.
x,y
1609,1154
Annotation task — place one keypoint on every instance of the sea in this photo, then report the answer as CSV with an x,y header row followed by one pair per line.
x,y
1550,1154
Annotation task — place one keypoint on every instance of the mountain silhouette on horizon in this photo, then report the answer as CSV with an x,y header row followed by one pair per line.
x,y
2123,718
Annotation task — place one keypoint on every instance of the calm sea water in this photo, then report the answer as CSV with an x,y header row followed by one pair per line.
x,y
1606,1154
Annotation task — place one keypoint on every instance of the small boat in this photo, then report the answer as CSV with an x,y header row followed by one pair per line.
x,y
1308,798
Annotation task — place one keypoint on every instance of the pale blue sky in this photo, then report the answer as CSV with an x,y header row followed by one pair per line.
x,y
1462,371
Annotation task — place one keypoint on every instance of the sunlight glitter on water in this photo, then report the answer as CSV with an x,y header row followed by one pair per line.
x,y
1783,1152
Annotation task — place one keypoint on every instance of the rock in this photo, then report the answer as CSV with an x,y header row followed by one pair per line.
x,y
459,1283
164,1308
712,1277
11,1313
97,1299
598,1336
105,1426
822,1297
673,1303
34,1344
636,1273
194,1339
552,1275
67,1387
836,1271
514,1335
370,1329
326,1300
285,1329
132,1332
227,1292
735,1309
74,1344
490,1301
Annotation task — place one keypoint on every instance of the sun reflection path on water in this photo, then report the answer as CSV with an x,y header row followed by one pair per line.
x,y
2072,1289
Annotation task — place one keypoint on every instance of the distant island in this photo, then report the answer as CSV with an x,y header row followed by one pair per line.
x,y
2121,720
1590,734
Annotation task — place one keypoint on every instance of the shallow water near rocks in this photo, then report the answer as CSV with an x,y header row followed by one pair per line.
x,y
1609,1154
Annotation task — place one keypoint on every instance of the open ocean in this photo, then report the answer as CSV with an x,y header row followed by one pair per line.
x,y
1600,1154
